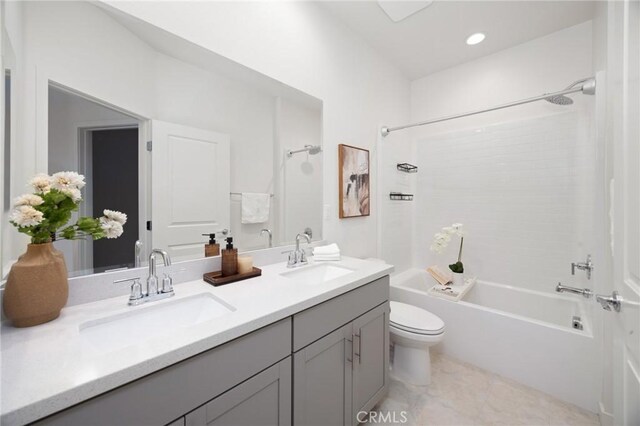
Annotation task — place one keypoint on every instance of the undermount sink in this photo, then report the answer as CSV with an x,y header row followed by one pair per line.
x,y
146,322
317,274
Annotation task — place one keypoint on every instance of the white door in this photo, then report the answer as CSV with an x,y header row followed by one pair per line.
x,y
624,111
190,188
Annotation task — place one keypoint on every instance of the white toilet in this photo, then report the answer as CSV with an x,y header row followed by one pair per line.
x,y
413,331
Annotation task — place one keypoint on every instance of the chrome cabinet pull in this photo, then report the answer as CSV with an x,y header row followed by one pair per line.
x,y
359,353
350,359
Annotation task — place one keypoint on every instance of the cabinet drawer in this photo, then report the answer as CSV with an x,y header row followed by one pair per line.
x,y
168,394
320,320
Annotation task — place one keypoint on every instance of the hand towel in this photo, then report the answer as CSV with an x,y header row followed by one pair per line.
x,y
323,257
255,207
330,249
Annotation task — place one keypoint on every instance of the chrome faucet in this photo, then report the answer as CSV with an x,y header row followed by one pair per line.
x,y
138,296
152,279
298,256
268,231
583,266
585,292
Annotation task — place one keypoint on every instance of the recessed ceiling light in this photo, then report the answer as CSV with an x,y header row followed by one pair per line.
x,y
475,38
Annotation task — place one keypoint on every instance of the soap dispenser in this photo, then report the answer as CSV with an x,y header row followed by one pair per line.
x,y
229,259
212,248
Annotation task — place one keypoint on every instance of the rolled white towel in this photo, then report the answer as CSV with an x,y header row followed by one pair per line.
x,y
327,250
327,257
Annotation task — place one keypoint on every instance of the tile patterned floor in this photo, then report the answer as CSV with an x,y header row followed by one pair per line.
x,y
462,394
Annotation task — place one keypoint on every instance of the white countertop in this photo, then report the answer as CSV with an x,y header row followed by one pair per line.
x,y
50,367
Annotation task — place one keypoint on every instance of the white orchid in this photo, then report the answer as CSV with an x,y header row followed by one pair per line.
x,y
111,228
117,216
26,216
28,200
442,239
66,181
41,183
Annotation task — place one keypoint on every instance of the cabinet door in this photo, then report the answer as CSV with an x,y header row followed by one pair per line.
x,y
322,380
371,358
264,399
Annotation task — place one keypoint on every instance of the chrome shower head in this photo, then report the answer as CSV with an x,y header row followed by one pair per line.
x,y
559,100
311,149
588,87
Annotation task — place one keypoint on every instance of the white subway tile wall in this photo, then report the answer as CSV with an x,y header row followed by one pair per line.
x,y
525,191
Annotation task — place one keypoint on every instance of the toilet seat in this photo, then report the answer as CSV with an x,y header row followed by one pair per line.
x,y
412,319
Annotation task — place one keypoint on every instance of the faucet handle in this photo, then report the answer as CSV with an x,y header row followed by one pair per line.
x,y
136,292
167,284
293,258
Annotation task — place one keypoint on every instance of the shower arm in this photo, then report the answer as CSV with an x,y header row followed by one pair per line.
x,y
588,87
290,152
307,148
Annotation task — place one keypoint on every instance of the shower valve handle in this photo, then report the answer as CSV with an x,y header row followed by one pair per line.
x,y
583,266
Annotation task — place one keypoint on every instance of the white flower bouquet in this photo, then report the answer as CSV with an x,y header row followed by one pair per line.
x,y
441,241
44,214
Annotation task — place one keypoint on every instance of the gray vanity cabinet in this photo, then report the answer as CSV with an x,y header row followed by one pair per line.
x,y
215,375
320,366
371,358
346,371
322,380
264,399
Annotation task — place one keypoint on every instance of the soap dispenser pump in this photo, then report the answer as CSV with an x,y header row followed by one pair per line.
x,y
212,248
229,259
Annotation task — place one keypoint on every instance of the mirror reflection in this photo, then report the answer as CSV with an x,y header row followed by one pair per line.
x,y
182,140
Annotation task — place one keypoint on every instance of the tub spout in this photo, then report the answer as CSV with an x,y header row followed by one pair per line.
x,y
585,292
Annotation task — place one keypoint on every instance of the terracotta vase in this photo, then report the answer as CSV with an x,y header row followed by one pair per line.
x,y
37,287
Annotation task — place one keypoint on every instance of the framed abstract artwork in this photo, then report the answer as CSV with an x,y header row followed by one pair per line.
x,y
354,192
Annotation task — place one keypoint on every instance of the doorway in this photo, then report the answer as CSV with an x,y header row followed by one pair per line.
x,y
113,157
104,144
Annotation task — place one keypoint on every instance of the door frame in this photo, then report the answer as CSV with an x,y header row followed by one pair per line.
x,y
43,80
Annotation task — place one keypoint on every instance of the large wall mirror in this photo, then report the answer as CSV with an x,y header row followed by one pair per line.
x,y
174,135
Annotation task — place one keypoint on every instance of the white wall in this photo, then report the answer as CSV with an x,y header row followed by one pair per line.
x,y
528,181
13,58
299,44
524,186
301,173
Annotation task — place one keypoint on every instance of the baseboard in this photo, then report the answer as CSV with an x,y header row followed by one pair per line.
x,y
606,418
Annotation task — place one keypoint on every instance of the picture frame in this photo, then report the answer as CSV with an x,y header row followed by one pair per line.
x,y
354,181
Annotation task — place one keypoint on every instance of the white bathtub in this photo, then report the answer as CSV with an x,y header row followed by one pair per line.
x,y
520,334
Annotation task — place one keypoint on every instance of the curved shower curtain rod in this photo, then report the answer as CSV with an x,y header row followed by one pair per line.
x,y
588,88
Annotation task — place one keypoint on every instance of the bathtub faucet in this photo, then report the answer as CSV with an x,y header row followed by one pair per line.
x,y
583,291
586,266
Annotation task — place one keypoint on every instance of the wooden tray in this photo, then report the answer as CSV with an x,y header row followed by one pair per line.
x,y
217,279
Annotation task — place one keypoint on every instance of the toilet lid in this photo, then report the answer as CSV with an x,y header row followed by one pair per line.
x,y
414,320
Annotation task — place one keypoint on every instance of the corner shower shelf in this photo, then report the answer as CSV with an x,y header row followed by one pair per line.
x,y
399,196
407,168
